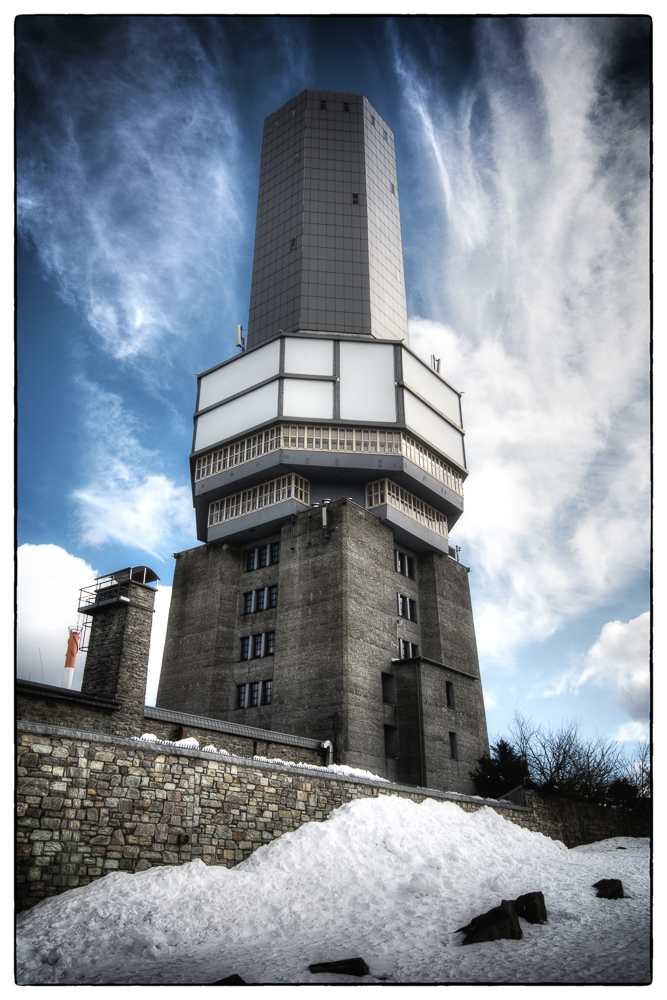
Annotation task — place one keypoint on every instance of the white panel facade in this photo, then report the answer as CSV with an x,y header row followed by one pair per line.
x,y
239,374
367,388
424,380
233,419
304,398
308,357
432,428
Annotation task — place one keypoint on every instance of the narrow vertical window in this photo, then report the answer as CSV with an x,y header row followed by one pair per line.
x,y
247,603
267,692
240,695
245,647
275,552
450,694
250,560
393,189
346,106
270,643
355,198
273,596
453,748
261,600
257,645
386,137
292,245
323,105
263,555
254,694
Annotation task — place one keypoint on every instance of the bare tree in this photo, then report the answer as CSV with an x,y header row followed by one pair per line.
x,y
562,761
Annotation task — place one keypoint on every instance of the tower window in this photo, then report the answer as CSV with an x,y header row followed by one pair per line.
x,y
407,608
247,603
449,686
267,692
404,564
257,643
275,552
453,747
270,643
261,600
407,649
393,189
241,695
245,647
355,198
346,106
292,245
386,137
263,555
373,120
251,559
254,694
323,105
273,596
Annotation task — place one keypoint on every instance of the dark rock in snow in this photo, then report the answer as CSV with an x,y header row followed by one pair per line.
x,y
346,967
500,922
531,907
233,980
609,888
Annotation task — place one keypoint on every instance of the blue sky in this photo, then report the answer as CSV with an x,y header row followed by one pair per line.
x,y
522,149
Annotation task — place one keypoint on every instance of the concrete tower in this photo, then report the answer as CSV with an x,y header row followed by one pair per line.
x,y
328,464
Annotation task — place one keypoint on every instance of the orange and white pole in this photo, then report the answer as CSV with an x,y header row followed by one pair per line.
x,y
72,650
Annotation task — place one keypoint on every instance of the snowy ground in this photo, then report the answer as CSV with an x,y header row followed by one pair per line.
x,y
384,879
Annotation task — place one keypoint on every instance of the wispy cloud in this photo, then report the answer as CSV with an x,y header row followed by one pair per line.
x,y
127,176
544,287
125,499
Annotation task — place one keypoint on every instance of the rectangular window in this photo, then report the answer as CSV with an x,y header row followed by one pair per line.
x,y
346,106
386,137
250,560
323,105
267,692
275,552
373,120
240,695
254,694
270,643
404,564
260,603
408,649
247,603
245,647
257,642
273,596
292,245
355,199
453,748
263,555
393,189
450,694
407,608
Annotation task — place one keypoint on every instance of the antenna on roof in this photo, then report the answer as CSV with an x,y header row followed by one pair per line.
x,y
240,339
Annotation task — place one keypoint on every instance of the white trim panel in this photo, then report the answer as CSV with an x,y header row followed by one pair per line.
x,y
432,428
234,418
423,380
308,357
239,374
367,388
306,398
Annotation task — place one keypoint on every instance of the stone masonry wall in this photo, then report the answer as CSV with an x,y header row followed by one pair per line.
x,y
89,805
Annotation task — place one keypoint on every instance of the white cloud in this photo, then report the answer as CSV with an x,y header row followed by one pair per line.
x,y
47,597
48,584
619,661
543,281
158,634
632,732
126,500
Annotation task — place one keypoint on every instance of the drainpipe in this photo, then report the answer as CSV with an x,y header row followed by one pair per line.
x,y
328,746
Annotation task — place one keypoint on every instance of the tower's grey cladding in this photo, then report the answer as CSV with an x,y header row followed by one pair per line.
x,y
328,254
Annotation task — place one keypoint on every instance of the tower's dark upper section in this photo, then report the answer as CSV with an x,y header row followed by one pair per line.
x,y
328,255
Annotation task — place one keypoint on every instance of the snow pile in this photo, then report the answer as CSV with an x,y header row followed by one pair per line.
x,y
385,879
